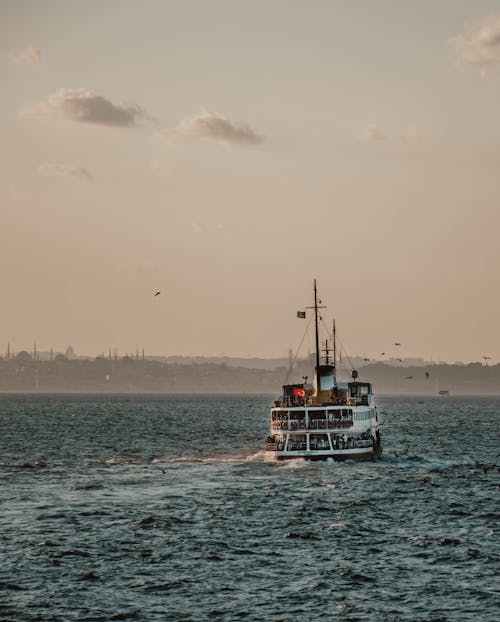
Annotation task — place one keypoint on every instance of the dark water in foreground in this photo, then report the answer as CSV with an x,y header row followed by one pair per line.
x,y
148,508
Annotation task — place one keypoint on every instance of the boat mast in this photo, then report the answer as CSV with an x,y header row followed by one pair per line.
x,y
334,345
316,322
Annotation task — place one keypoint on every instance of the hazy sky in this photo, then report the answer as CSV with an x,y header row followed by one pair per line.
x,y
227,153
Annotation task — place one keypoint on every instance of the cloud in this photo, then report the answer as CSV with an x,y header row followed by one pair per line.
x,y
373,133
87,107
479,47
29,56
410,135
216,127
199,228
63,170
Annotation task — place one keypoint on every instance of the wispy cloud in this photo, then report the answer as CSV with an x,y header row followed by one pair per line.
x,y
87,107
29,56
373,133
410,135
64,170
480,46
214,126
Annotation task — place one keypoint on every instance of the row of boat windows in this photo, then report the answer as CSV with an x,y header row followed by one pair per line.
x,y
321,424
318,415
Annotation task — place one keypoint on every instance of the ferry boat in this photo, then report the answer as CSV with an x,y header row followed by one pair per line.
x,y
328,419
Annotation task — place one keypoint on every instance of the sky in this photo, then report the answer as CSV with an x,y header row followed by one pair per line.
x,y
228,153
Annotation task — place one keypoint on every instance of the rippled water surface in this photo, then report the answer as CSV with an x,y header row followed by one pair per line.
x,y
164,508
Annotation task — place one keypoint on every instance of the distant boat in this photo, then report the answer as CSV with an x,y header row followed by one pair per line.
x,y
441,392
327,419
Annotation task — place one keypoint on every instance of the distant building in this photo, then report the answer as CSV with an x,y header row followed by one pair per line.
x,y
23,357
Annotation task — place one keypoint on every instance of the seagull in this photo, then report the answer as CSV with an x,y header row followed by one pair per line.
x,y
366,360
250,405
408,377
400,360
157,293
486,358
396,343
383,354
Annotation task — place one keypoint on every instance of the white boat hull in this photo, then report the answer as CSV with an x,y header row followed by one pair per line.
x,y
339,455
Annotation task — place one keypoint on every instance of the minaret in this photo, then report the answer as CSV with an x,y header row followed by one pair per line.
x,y
8,351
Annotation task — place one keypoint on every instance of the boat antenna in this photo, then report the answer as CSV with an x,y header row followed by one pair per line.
x,y
316,322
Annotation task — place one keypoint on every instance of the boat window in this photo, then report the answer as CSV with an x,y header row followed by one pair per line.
x,y
279,415
298,414
297,442
363,390
316,414
319,441
326,383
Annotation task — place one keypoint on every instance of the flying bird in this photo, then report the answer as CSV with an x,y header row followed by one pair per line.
x,y
427,374
383,354
396,343
400,360
366,360
408,377
486,358
157,293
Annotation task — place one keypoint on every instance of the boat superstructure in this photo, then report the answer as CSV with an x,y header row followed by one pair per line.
x,y
327,419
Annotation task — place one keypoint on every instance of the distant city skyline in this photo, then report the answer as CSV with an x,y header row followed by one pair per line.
x,y
225,154
140,354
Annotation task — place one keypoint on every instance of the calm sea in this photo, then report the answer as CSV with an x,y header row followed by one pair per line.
x,y
164,508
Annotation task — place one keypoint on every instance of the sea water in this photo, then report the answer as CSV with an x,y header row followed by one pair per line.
x,y
165,508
